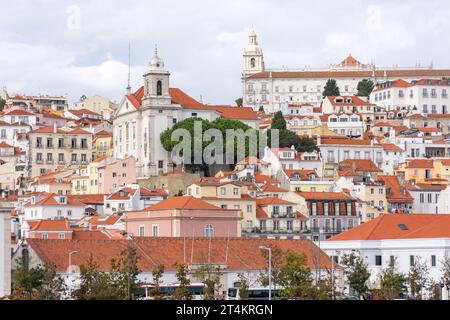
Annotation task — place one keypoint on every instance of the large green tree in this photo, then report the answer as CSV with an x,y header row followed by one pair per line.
x,y
125,272
288,138
331,88
37,283
228,142
239,102
157,274
365,87
356,272
295,276
278,121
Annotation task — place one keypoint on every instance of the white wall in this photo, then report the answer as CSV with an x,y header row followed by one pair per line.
x,y
5,253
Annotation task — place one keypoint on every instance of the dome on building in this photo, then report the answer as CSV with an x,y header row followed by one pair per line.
x,y
156,63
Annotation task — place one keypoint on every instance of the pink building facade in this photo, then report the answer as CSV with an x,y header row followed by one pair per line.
x,y
116,173
183,217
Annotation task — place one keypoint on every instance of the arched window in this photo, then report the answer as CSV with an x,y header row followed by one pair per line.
x,y
252,62
159,88
209,230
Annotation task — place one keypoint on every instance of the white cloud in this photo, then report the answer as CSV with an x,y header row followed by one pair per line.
x,y
202,41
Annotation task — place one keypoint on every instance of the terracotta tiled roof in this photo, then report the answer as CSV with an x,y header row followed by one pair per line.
x,y
391,147
271,188
89,198
327,74
395,194
303,174
89,235
355,101
261,214
240,254
154,192
241,113
388,226
420,164
186,203
50,200
180,97
359,165
18,112
122,194
80,112
269,201
99,220
52,225
260,178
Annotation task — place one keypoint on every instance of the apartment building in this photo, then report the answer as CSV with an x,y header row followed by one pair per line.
x,y
54,148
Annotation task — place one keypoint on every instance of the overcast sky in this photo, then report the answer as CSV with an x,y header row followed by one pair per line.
x,y
81,47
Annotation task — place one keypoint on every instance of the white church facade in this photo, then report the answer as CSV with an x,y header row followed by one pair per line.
x,y
274,88
143,115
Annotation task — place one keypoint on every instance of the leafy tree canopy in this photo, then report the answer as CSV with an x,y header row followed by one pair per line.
x,y
365,87
331,88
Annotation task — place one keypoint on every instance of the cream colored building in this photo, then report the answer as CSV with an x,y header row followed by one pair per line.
x,y
56,148
373,197
97,104
227,195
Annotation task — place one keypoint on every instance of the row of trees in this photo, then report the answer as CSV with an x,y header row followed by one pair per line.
x,y
364,88
391,284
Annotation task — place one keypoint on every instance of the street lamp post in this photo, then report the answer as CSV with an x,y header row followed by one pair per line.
x,y
70,272
270,269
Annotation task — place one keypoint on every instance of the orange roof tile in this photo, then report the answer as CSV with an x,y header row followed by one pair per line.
x,y
325,196
241,254
186,203
387,226
420,164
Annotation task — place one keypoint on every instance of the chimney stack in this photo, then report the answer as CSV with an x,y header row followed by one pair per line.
x,y
55,128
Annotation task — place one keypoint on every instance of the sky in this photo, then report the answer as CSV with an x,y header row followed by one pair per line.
x,y
63,47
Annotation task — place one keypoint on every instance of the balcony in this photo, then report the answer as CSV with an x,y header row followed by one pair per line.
x,y
49,161
282,214
444,96
39,161
61,162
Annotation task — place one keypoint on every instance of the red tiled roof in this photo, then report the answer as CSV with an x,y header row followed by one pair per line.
x,y
240,254
271,188
420,164
186,203
260,178
49,200
18,112
269,201
79,112
303,174
89,235
395,194
241,113
326,74
155,192
391,147
89,198
387,226
52,225
359,165
122,194
355,101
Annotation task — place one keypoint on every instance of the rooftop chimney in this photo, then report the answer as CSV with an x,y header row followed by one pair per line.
x,y
55,128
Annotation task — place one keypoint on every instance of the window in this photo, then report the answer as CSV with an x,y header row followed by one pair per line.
x,y
160,164
59,213
349,208
61,157
411,261
141,231
262,225
235,191
223,191
249,208
378,260
49,143
289,225
159,88
45,236
155,231
69,213
433,261
314,208
336,208
73,143
391,261
61,236
209,230
249,224
276,225
325,208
